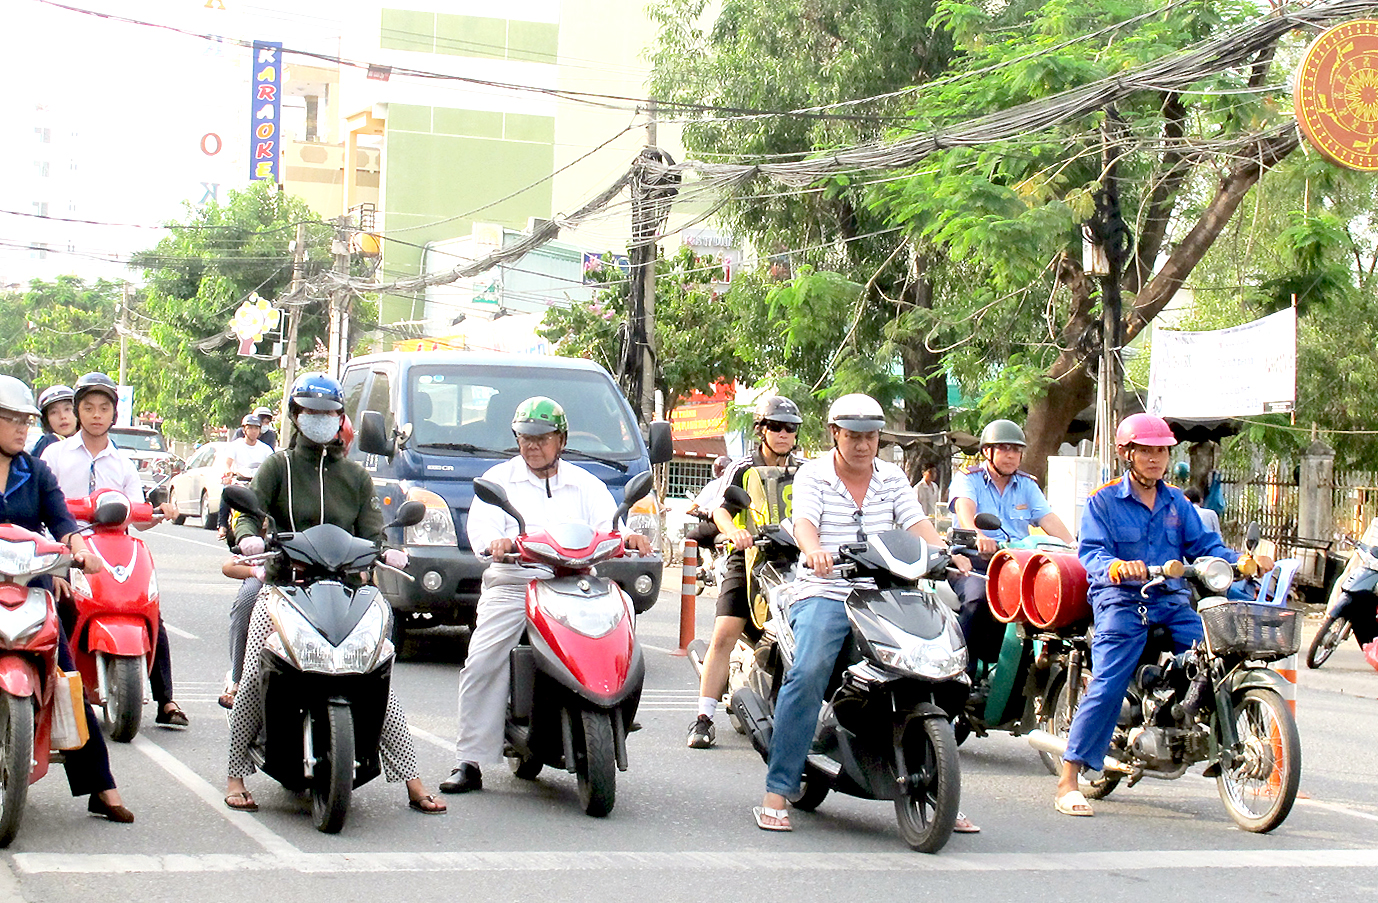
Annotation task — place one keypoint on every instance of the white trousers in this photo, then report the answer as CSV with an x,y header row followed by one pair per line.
x,y
486,680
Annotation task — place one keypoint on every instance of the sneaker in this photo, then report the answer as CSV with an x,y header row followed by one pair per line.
x,y
701,733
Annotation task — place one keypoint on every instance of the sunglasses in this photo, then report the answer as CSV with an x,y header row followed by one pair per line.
x,y
776,427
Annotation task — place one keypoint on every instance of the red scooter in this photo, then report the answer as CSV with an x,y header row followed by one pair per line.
x,y
28,666
577,672
116,628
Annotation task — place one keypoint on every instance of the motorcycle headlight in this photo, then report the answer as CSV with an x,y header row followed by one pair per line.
x,y
940,658
18,559
80,585
437,528
1215,574
593,616
18,624
297,641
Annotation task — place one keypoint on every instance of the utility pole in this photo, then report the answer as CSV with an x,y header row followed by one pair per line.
x,y
1108,228
338,338
289,357
120,328
652,194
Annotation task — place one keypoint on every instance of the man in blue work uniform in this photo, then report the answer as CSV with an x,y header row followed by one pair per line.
x,y
995,486
1129,525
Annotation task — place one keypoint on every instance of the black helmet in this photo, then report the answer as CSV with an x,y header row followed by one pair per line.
x,y
95,382
776,408
316,392
1003,432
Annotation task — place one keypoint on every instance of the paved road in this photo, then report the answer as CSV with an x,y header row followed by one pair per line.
x,y
681,829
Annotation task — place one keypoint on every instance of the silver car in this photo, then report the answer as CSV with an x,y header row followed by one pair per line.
x,y
196,490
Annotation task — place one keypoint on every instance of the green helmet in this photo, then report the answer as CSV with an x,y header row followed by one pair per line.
x,y
539,415
1003,432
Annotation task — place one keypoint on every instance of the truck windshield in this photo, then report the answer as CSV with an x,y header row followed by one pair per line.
x,y
464,406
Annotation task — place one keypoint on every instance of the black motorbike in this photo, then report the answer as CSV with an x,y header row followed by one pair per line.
x,y
1352,609
885,731
1216,703
324,674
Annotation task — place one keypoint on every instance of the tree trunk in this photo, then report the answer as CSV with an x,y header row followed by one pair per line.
x,y
1072,388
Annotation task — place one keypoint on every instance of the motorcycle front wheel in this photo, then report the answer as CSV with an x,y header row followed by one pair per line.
x,y
16,762
926,805
595,765
1059,708
124,702
1259,788
332,772
1332,633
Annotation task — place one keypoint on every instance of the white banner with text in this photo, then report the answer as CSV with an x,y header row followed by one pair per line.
x,y
1236,372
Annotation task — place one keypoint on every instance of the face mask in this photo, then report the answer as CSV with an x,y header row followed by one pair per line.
x,y
319,428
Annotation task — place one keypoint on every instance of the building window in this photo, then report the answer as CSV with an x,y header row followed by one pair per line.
x,y
41,250
41,208
42,167
686,478
45,136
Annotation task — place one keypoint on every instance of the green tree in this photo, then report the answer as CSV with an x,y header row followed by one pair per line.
x,y
197,277
694,327
990,275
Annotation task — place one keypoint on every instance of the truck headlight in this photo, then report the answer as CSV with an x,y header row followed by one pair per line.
x,y
437,528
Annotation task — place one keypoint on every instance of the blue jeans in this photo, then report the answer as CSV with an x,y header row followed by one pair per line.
x,y
820,628
1121,633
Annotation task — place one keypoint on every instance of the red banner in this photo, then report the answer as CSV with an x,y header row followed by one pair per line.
x,y
699,421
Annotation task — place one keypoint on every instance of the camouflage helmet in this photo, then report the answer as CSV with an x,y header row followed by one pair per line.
x,y
539,415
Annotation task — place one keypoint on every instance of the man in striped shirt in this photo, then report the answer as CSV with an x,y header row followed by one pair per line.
x,y
839,498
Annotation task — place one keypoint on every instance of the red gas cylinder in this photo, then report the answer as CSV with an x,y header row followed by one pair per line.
x,y
1054,590
1004,587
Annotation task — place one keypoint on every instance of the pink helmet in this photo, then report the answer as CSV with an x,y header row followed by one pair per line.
x,y
1144,429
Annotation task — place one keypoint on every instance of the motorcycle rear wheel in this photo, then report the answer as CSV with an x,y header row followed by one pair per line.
x,y
1259,789
332,775
926,806
16,762
595,766
1331,634
124,701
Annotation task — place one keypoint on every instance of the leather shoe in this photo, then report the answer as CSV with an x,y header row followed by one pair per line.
x,y
97,806
463,779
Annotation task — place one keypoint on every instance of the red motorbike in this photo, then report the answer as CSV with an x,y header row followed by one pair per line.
x,y
116,630
578,670
28,666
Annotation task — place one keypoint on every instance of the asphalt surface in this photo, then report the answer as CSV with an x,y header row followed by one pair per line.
x,y
682,827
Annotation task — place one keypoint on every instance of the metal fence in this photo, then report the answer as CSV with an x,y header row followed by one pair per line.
x,y
1269,498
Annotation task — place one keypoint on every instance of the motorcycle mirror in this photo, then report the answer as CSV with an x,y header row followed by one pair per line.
x,y
243,499
410,514
157,496
736,499
111,508
635,491
495,495
1251,537
987,521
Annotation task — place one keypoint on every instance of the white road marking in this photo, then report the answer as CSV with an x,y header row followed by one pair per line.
x,y
210,545
735,861
661,649
1338,809
431,738
177,631
276,846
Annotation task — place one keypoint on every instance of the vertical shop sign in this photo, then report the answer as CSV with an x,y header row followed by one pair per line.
x,y
265,112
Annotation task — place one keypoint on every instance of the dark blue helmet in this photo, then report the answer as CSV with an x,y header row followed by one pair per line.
x,y
316,392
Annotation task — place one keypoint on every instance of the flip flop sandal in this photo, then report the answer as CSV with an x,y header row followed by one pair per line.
x,y
241,802
1073,803
420,805
781,817
963,825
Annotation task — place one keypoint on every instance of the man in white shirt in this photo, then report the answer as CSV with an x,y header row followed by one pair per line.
x,y
546,491
242,460
89,461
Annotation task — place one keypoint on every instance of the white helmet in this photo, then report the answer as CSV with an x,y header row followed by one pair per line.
x,y
858,413
15,396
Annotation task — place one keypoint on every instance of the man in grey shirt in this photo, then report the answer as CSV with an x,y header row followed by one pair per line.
x,y
1209,519
927,490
